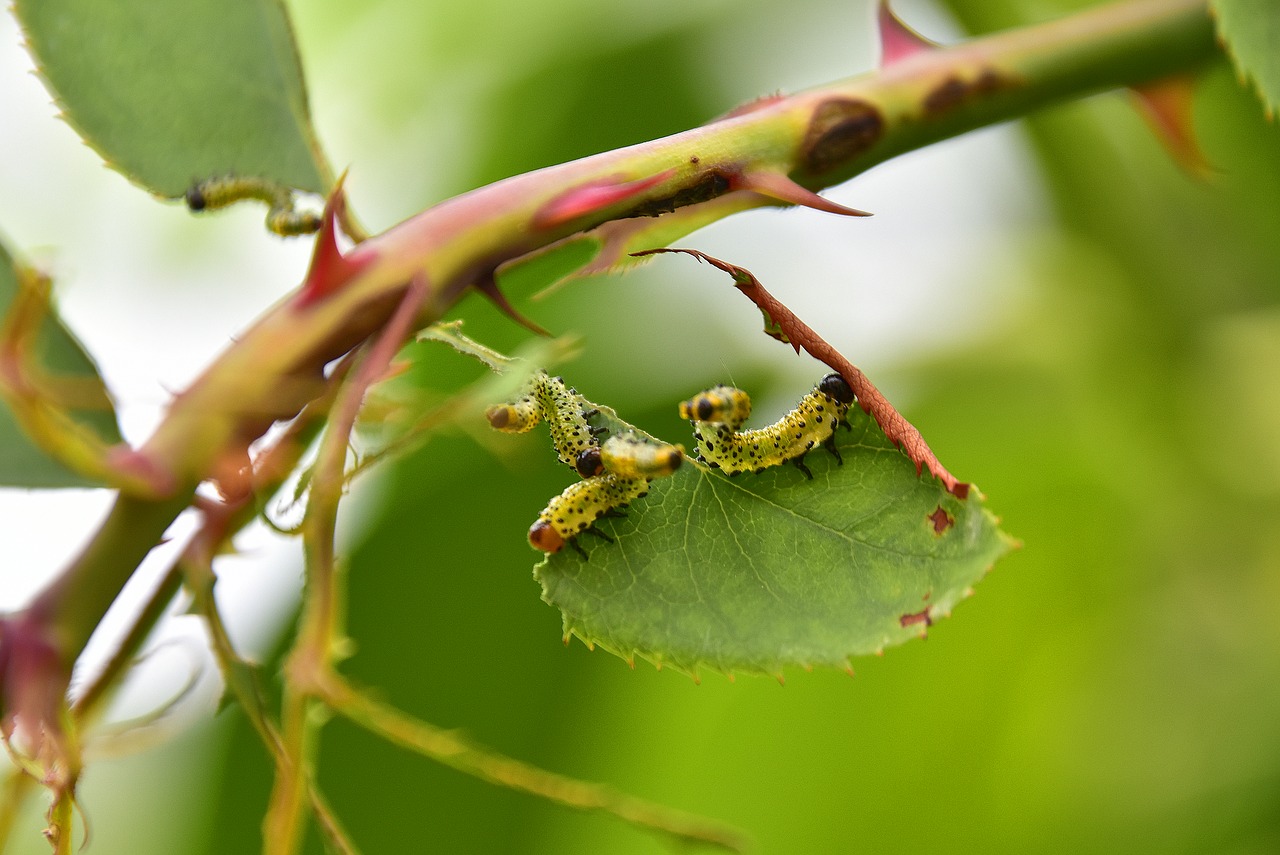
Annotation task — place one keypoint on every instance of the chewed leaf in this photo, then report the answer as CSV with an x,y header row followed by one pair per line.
x,y
175,93
43,369
1250,31
761,571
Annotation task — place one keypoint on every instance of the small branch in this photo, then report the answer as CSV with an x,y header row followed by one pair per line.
x,y
781,323
319,635
450,749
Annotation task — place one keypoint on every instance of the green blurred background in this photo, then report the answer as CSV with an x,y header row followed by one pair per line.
x,y
1113,687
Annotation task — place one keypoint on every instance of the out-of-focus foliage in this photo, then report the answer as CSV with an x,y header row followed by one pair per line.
x,y
1250,31
53,361
1112,688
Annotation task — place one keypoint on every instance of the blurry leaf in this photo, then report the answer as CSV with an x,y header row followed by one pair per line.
x,y
765,570
173,93
60,362
1250,30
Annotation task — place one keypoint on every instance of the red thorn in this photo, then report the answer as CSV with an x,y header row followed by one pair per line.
x,y
782,681
775,185
592,197
330,269
897,40
1166,105
489,288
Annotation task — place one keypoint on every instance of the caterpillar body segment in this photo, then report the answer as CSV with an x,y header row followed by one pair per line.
x,y
812,422
548,399
720,404
631,456
566,416
581,504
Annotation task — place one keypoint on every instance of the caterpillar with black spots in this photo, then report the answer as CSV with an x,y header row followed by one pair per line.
x,y
579,506
724,404
813,422
547,398
632,456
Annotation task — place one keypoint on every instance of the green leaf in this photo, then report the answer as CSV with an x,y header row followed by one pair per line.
x,y
760,571
173,93
1250,30
60,360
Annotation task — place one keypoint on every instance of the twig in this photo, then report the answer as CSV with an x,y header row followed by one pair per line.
x,y
452,750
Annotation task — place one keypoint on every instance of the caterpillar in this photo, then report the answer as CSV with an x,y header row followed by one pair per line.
x,y
282,218
581,504
723,404
632,456
812,422
565,411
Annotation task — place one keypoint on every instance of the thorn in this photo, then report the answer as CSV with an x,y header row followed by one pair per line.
x,y
782,681
848,668
330,269
592,197
1166,105
775,185
488,287
631,661
732,677
897,40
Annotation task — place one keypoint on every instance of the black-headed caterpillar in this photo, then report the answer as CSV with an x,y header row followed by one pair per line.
x,y
581,504
282,217
812,422
565,411
724,404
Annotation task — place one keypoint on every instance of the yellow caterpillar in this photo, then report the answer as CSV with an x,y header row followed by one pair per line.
x,y
581,504
565,411
723,404
811,423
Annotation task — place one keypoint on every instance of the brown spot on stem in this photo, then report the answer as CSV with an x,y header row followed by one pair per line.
x,y
841,129
706,188
953,91
941,520
914,618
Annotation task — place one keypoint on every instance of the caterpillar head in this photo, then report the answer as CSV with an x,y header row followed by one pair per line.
x,y
834,386
543,536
